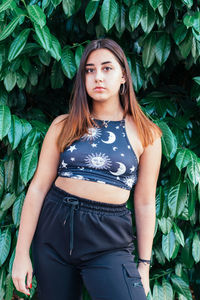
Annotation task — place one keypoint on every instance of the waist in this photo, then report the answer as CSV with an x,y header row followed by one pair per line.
x,y
92,190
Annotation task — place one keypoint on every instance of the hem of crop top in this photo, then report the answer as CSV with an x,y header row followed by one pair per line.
x,y
123,121
95,180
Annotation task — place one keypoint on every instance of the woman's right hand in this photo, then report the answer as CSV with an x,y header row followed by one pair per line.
x,y
22,266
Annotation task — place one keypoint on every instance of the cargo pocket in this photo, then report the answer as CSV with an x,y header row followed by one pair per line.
x,y
133,280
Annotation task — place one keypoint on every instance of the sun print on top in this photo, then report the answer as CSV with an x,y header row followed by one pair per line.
x,y
93,133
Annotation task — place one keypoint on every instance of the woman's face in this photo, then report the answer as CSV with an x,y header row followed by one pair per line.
x,y
103,76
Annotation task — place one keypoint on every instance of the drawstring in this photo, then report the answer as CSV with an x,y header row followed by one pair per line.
x,y
74,204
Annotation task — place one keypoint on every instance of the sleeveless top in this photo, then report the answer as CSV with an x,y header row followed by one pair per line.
x,y
103,155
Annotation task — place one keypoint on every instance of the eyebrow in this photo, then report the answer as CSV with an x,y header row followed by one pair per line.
x,y
103,63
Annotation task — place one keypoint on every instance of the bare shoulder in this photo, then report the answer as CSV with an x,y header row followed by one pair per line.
x,y
58,120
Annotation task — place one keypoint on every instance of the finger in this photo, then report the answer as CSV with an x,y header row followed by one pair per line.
x,y
22,287
29,280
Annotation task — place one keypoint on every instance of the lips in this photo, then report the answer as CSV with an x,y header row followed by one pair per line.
x,y
99,88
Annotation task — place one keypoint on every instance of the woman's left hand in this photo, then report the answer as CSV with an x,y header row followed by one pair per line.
x,y
144,273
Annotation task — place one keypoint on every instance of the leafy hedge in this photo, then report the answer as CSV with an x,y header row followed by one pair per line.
x,y
41,43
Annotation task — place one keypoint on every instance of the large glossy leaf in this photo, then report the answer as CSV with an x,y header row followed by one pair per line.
x,y
91,10
21,80
186,46
17,209
108,13
167,289
196,247
181,286
18,44
169,142
10,81
120,22
148,18
9,287
184,157
5,5
68,62
168,244
7,201
189,3
154,3
162,49
15,132
193,171
197,79
78,55
163,7
33,138
5,243
9,28
37,15
28,163
179,235
135,15
9,173
157,291
5,120
44,37
137,73
148,54
2,175
165,224
69,7
177,198
55,50
180,33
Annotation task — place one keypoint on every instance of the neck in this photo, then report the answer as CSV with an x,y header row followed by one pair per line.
x,y
104,114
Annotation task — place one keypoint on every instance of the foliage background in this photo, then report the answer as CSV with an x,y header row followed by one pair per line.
x,y
41,43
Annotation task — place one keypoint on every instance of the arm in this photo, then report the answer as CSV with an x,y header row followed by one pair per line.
x,y
144,204
40,184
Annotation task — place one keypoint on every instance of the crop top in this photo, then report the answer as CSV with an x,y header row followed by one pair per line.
x,y
103,155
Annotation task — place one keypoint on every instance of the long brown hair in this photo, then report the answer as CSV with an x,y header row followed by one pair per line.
x,y
79,119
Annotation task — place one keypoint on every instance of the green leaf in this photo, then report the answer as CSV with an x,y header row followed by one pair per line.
x,y
9,28
37,15
44,37
28,163
162,49
165,224
186,46
9,287
69,7
68,62
18,44
5,243
196,247
168,245
135,15
91,10
5,5
17,209
188,21
181,286
148,18
154,3
137,73
10,81
148,54
163,7
189,3
120,22
57,77
21,80
44,57
55,50
15,132
176,199
169,142
157,291
197,79
196,22
179,235
5,120
193,171
9,173
33,137
184,157
2,175
55,2
179,34
108,13
167,289
78,55
7,201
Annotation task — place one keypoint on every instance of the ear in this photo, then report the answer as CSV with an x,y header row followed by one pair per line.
x,y
123,77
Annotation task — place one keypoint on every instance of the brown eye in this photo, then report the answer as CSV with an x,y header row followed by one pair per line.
x,y
88,70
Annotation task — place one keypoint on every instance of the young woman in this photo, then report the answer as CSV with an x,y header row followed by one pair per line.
x,y
75,213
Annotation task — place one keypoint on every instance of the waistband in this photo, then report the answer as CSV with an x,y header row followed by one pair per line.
x,y
87,203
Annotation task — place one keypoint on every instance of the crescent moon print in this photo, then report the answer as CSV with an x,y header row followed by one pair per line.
x,y
111,138
121,170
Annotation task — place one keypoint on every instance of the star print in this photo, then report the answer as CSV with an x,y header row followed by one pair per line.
x,y
117,127
132,169
118,178
72,148
64,165
129,147
123,134
122,154
72,158
93,145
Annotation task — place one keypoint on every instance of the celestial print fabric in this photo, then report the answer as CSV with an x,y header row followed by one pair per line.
x,y
103,155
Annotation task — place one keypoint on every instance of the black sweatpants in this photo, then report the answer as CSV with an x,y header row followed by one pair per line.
x,y
78,241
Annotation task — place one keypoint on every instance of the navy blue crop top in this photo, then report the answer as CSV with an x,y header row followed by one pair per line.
x,y
103,155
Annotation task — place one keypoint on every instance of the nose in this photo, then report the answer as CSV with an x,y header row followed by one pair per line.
x,y
98,75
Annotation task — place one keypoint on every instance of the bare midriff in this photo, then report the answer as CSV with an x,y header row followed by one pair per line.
x,y
93,190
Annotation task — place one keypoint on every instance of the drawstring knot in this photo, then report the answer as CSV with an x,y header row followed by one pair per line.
x,y
74,203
